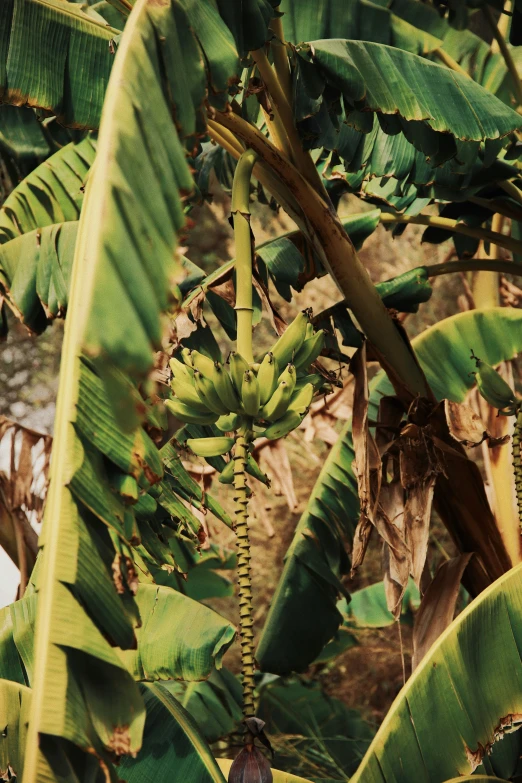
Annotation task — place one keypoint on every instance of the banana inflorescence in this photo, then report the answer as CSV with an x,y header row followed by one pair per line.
x,y
270,396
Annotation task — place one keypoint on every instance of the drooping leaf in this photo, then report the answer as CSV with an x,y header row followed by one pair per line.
x,y
403,90
121,284
196,641
174,750
71,55
316,559
52,193
214,704
35,273
471,679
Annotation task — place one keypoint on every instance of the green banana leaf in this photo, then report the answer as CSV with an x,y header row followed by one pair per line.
x,y
35,273
196,641
472,681
52,193
404,91
70,79
361,20
316,560
173,749
124,263
215,704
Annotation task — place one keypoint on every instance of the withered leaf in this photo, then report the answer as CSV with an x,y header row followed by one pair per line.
x,y
464,425
437,607
367,465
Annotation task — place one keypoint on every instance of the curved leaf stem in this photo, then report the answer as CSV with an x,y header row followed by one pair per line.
x,y
322,225
475,265
453,226
506,53
282,109
246,621
243,239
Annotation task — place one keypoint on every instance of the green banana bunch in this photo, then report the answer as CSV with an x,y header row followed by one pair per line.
x,y
275,390
493,388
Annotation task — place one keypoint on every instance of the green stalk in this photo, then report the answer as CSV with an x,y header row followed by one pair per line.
x,y
517,462
244,310
243,240
506,53
246,621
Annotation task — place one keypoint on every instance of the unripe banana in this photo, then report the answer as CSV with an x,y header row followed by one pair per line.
x,y
228,423
208,394
227,474
225,388
250,394
492,387
278,403
238,368
290,421
203,363
309,330
267,377
186,393
291,340
181,370
210,447
310,350
289,376
188,414
253,468
301,399
186,354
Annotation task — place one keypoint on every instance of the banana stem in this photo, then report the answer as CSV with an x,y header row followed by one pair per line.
x,y
246,621
517,462
243,240
281,63
284,116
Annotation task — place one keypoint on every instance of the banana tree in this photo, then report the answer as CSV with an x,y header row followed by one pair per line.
x,y
175,76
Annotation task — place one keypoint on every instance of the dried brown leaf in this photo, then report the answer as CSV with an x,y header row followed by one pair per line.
x,y
437,607
464,425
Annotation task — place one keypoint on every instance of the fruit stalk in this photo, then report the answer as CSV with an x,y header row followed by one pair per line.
x,y
246,622
517,461
243,241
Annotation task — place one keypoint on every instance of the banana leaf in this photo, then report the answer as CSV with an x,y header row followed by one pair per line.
x,y
35,273
361,20
83,695
193,647
52,193
316,560
215,704
66,61
341,83
472,681
173,749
